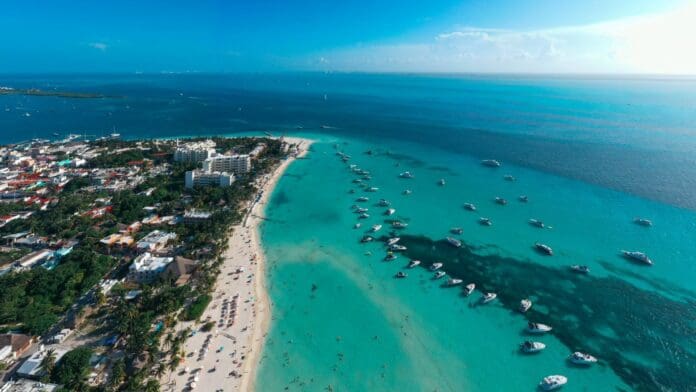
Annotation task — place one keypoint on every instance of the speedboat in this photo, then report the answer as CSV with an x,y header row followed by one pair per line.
x,y
454,282
508,177
357,181
389,211
490,163
581,269
361,210
357,226
367,238
456,230
406,174
550,383
376,228
383,203
390,256
536,223
543,248
579,358
500,201
366,177
363,198
407,192
643,222
364,216
488,297
413,263
372,189
485,221
393,241
439,274
525,304
468,289
469,206
401,274
399,225
538,328
523,198
435,266
397,248
638,256
530,347
454,242
441,182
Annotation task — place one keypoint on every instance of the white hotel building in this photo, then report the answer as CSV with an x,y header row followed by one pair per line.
x,y
228,163
201,178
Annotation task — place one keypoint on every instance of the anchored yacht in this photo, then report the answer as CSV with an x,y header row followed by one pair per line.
x,y
580,269
538,328
490,163
550,383
488,297
413,263
468,289
579,358
638,256
530,347
543,248
525,305
454,242
469,206
435,266
406,174
439,274
485,221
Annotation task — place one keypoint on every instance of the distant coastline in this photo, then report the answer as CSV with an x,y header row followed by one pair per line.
x,y
44,93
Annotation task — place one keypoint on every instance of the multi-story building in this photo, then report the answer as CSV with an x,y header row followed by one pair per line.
x,y
155,240
147,267
228,163
201,178
195,152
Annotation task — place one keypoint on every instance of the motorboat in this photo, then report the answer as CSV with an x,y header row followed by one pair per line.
x,y
364,216
435,266
538,328
397,248
413,263
536,223
638,256
361,210
488,297
485,221
550,383
490,163
501,201
376,228
407,192
454,282
389,211
469,207
523,198
357,181
454,242
525,305
530,347
367,238
441,182
643,222
468,289
357,226
508,177
543,248
390,256
399,225
406,174
393,241
363,198
579,358
352,191
456,230
401,275
383,203
439,274
580,269
372,189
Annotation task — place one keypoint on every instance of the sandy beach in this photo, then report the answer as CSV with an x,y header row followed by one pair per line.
x,y
226,358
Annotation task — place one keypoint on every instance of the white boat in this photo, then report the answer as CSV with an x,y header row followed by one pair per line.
x,y
530,347
500,201
406,174
357,181
536,223
435,266
376,228
508,177
468,289
456,230
490,163
360,210
363,198
454,242
488,297
638,256
543,248
643,222
390,211
579,358
367,238
441,182
439,274
393,241
390,256
454,282
407,192
401,275
364,216
414,263
550,383
469,206
538,328
383,203
525,305
372,189
581,269
357,226
485,221
397,248
523,198
399,225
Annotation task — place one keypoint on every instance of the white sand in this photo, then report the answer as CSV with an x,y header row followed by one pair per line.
x,y
241,342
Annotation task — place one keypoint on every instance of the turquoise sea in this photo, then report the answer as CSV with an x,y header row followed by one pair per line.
x,y
591,154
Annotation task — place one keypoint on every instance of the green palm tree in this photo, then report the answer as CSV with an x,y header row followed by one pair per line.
x,y
48,363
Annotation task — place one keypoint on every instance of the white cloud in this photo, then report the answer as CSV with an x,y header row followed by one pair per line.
x,y
99,46
656,43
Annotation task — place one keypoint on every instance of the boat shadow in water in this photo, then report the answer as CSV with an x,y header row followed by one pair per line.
x,y
603,315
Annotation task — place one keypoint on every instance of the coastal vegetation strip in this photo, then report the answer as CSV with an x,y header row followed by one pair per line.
x,y
52,93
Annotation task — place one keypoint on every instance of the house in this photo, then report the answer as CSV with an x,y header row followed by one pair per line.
x,y
18,344
181,270
23,385
31,368
154,241
147,267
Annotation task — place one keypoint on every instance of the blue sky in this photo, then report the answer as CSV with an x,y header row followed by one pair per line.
x,y
358,35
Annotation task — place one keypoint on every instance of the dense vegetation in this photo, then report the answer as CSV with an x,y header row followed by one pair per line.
x,y
196,309
72,370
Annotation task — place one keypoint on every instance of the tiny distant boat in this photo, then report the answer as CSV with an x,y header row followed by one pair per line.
x,y
399,225
580,269
351,191
389,211
523,198
579,358
401,275
530,347
439,274
364,216
538,328
357,226
638,256
372,189
456,230
525,305
361,210
508,177
454,242
413,263
490,163
363,198
368,152
357,181
454,282
550,383
441,182
390,256
485,221
469,207
397,248
488,297
643,222
406,174
435,266
376,228
393,241
367,238
366,177
536,223
468,289
543,248
407,192
501,201
383,203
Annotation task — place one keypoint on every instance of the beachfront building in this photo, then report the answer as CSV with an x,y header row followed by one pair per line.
x,y
154,241
23,385
201,178
228,163
147,267
193,217
197,152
